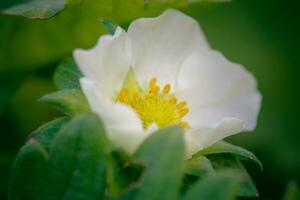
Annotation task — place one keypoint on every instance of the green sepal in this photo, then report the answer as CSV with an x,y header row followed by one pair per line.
x,y
219,186
46,133
109,25
226,148
67,75
224,162
70,101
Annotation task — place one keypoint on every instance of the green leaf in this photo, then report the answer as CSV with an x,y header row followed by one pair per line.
x,y
78,158
292,192
221,162
162,155
109,25
226,148
46,133
36,9
70,101
67,75
198,166
219,186
28,173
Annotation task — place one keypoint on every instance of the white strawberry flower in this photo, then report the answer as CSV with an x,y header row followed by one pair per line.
x,y
163,72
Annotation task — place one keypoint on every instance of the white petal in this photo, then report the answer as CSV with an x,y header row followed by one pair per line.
x,y
108,62
121,122
216,89
160,44
205,136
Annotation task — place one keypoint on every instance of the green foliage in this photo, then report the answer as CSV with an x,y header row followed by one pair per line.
x,y
36,9
162,154
223,155
227,161
220,186
28,173
226,148
75,168
81,161
70,101
67,75
77,160
46,133
198,167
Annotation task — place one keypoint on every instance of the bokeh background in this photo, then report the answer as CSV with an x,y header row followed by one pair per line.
x,y
262,35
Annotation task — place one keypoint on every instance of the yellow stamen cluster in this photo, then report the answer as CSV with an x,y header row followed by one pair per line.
x,y
154,105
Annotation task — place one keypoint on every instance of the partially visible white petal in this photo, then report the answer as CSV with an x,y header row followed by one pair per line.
x,y
108,62
123,126
160,44
152,128
216,88
205,136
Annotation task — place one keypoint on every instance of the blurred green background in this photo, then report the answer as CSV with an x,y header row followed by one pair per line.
x,y
262,35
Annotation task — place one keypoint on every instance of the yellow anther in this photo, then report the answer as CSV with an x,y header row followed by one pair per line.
x,y
167,89
125,100
152,82
136,96
183,124
149,95
183,112
123,93
181,105
152,104
173,100
155,89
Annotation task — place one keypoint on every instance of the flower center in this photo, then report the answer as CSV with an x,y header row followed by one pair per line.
x,y
152,104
